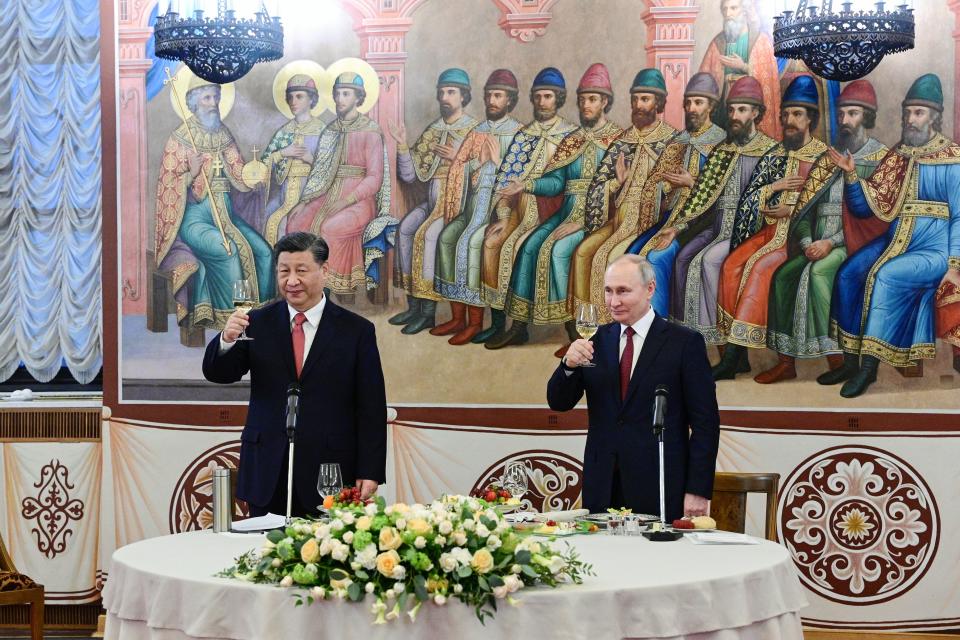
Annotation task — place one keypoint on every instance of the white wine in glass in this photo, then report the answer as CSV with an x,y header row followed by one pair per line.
x,y
587,324
243,300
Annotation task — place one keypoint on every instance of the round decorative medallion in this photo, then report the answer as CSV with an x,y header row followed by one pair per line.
x,y
555,480
191,506
861,524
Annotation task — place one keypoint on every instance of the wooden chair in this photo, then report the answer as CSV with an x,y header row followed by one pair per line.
x,y
160,304
729,504
16,588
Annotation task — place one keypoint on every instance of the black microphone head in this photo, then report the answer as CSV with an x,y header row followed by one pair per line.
x,y
293,389
662,390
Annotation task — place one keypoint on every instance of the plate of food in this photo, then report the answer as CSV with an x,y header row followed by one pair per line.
x,y
560,529
696,523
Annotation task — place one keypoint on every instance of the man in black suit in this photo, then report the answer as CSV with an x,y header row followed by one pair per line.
x,y
633,356
332,354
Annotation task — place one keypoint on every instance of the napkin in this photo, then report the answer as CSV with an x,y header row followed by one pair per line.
x,y
563,516
720,537
521,516
262,523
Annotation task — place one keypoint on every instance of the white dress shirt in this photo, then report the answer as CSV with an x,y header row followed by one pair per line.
x,y
642,328
309,327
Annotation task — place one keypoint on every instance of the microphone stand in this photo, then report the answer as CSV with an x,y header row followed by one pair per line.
x,y
659,409
293,410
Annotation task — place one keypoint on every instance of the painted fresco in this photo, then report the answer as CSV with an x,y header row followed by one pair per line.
x,y
473,184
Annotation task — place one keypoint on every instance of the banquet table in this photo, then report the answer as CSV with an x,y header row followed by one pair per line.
x,y
164,589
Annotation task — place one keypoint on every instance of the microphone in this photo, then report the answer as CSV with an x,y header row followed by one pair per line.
x,y
293,408
659,406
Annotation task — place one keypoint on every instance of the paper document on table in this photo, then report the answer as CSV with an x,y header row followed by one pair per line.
x,y
721,537
261,523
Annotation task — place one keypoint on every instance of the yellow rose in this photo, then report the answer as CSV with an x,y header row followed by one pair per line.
x,y
389,539
482,561
341,583
387,562
310,551
363,523
419,527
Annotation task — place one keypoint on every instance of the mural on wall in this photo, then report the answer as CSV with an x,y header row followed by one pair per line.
x,y
473,189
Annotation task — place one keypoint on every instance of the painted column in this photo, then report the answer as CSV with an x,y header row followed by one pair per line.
x,y
670,48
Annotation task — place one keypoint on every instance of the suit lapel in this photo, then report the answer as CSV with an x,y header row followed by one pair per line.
x,y
325,333
651,347
281,322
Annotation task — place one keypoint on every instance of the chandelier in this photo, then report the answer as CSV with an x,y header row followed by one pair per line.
x,y
845,45
221,49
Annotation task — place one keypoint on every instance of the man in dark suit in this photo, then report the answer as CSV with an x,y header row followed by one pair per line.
x,y
332,354
633,356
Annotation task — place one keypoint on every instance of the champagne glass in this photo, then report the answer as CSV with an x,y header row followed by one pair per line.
x,y
243,300
587,324
329,480
515,479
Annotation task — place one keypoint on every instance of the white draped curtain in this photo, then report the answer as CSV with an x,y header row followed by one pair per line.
x,y
50,186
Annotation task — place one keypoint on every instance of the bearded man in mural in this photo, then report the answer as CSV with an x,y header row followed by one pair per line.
x,y
290,153
758,245
885,298
613,202
346,199
687,253
798,322
530,152
199,237
428,162
538,284
466,208
673,178
743,49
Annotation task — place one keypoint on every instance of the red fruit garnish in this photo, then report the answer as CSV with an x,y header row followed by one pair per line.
x,y
680,523
551,523
490,496
504,494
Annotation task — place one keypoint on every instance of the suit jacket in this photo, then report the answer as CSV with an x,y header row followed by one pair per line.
x,y
621,433
343,411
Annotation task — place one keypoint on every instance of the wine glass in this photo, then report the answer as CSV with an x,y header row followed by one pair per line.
x,y
329,480
587,324
243,300
515,479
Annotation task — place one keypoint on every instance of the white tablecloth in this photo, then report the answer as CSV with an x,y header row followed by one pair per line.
x,y
163,589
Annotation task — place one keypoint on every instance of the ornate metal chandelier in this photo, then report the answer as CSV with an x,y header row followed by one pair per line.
x,y
845,45
221,49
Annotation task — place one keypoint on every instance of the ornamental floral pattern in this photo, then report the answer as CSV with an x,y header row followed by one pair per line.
x,y
555,480
191,506
861,524
53,509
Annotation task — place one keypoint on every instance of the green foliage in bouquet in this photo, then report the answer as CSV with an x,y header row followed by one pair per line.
x,y
405,555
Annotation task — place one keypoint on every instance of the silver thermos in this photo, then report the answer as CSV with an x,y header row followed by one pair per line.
x,y
222,500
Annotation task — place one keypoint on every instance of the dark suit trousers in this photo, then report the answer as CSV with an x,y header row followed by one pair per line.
x,y
278,502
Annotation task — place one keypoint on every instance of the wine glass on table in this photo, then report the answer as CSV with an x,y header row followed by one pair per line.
x,y
329,481
515,479
587,324
243,300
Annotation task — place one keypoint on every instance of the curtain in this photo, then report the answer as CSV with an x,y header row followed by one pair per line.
x,y
50,186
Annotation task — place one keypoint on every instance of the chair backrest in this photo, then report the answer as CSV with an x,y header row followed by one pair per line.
x,y
6,562
729,504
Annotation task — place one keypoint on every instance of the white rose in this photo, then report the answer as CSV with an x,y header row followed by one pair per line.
x,y
513,583
458,588
356,566
493,542
500,592
399,587
401,524
348,518
420,542
447,562
370,509
369,587
515,569
340,553
440,599
388,510
268,546
556,564
400,572
440,541
390,594
325,547
469,524
363,523
445,527
287,581
482,530
460,538
323,531
318,593
336,525
276,562
348,537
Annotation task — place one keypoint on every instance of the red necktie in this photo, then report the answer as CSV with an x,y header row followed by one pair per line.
x,y
626,363
299,340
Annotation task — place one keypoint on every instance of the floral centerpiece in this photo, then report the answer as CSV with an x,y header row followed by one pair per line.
x,y
404,555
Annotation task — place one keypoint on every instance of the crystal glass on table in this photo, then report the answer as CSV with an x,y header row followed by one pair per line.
x,y
329,480
515,479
